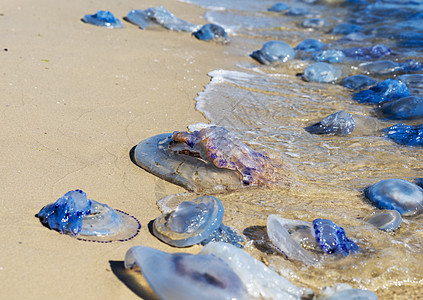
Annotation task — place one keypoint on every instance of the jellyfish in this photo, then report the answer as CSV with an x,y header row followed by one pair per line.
x,y
331,56
406,108
278,7
386,219
159,16
386,90
310,45
322,72
183,276
193,222
339,123
408,135
396,194
212,32
358,82
212,159
273,52
76,215
103,18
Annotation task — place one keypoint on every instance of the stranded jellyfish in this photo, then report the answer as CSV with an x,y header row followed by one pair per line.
x,y
104,19
76,215
210,160
339,123
193,222
183,276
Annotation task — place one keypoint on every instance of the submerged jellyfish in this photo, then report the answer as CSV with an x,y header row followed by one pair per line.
x,y
332,238
387,220
339,123
386,90
89,220
278,7
212,159
358,82
159,16
406,108
322,72
299,239
193,222
261,281
332,56
183,276
397,194
273,52
408,135
212,32
103,18
310,45
364,53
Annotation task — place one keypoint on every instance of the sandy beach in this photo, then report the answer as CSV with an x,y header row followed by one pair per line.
x,y
75,99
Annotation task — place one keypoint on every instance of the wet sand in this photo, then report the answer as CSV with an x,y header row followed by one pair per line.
x,y
76,99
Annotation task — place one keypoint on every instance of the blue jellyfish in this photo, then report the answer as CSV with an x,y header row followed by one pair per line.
x,y
386,90
406,108
310,45
332,56
212,32
272,52
322,72
339,123
358,82
103,18
408,135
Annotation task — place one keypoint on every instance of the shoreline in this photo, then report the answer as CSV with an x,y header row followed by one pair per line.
x,y
77,98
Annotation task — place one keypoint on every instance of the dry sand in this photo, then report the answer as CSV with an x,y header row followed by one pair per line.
x,y
75,99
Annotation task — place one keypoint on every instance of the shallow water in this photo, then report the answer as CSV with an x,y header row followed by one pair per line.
x,y
268,108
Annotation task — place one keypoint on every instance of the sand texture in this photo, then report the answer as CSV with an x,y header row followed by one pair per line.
x,y
75,98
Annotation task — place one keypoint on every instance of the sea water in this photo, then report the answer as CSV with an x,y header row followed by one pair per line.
x,y
268,107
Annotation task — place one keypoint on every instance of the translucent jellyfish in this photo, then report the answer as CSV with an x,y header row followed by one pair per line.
x,y
210,160
310,45
273,52
314,23
183,276
293,237
414,83
397,194
298,11
358,82
332,56
387,220
346,28
339,123
261,282
76,215
364,53
154,16
193,222
388,67
342,291
212,32
386,90
406,108
332,238
103,18
322,72
278,7
408,135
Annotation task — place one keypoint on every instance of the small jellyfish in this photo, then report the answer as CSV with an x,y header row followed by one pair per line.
x,y
339,123
342,291
183,276
76,215
407,135
414,83
273,52
322,72
278,7
193,222
386,90
310,45
159,16
396,194
103,18
261,281
364,53
358,82
332,238
314,23
386,220
407,108
388,67
332,56
210,160
346,28
212,32
297,12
